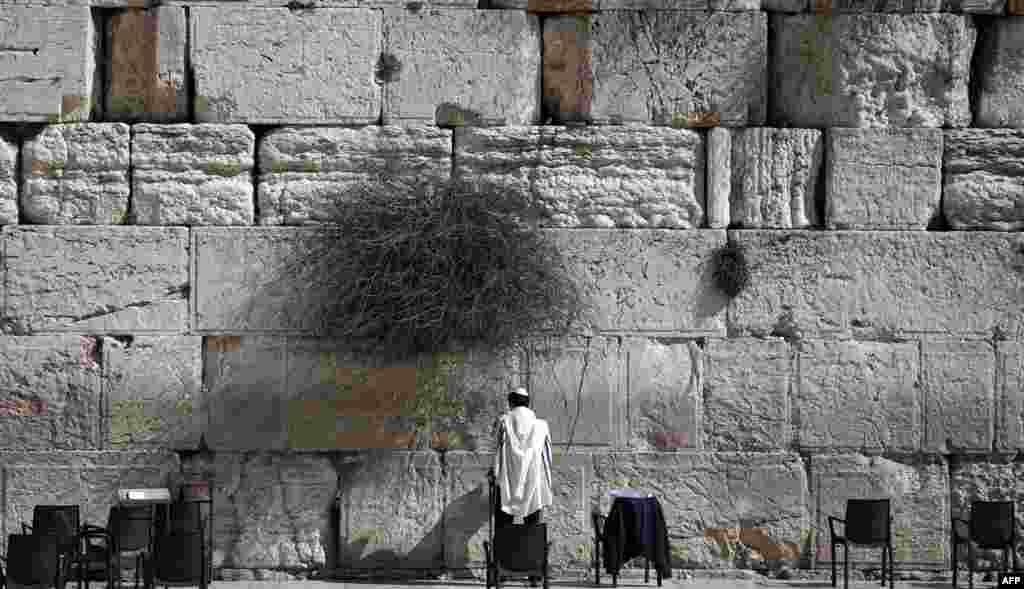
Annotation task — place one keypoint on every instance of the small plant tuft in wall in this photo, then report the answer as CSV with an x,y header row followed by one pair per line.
x,y
731,271
401,272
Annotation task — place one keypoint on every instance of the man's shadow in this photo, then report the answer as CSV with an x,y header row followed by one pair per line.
x,y
460,521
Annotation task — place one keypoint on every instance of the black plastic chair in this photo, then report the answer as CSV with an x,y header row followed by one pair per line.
x,y
992,526
33,560
598,519
131,529
64,523
181,558
96,559
868,523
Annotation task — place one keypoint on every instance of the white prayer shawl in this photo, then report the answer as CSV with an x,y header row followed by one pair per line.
x,y
522,464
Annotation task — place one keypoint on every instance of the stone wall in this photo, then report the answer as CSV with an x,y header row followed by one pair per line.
x,y
159,163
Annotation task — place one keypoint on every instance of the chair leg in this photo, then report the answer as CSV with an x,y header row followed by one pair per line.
x,y
892,567
883,564
647,570
597,561
846,566
833,564
970,565
954,563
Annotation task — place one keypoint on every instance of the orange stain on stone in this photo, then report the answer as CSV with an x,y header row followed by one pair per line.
x,y
224,343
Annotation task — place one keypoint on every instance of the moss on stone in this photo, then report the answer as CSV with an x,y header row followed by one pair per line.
x,y
584,150
183,407
679,120
225,169
128,418
368,536
679,552
311,167
202,104
128,105
456,118
584,552
119,217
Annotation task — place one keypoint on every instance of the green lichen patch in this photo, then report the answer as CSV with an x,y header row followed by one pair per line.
x,y
679,120
128,419
119,216
55,169
584,552
456,118
128,105
368,536
474,552
183,407
328,368
201,104
584,151
679,552
224,169
311,167
583,24
311,425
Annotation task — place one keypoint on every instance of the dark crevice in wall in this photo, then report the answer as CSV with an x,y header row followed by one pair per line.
x,y
821,185
258,131
129,213
979,64
769,103
101,18
190,74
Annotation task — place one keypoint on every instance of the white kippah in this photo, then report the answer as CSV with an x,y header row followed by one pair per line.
x,y
521,391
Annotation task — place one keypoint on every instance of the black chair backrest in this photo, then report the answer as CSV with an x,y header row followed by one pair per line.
x,y
32,559
179,557
61,521
130,526
520,547
992,523
868,521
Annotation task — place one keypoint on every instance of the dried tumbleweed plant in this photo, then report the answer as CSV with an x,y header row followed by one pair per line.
x,y
401,272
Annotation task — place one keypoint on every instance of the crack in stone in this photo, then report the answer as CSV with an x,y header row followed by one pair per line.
x,y
15,49
30,79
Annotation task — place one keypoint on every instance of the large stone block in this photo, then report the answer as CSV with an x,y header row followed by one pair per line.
x,y
49,65
983,186
775,177
497,81
271,510
656,281
1000,96
97,279
146,75
578,385
393,510
883,178
919,490
658,67
152,391
57,379
192,174
746,396
860,396
307,171
877,283
704,492
87,479
959,397
76,174
719,183
9,154
1010,395
871,70
828,7
658,180
276,66
664,379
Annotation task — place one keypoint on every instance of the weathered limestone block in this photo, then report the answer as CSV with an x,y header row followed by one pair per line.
x,y
276,66
146,75
711,62
999,101
465,509
51,396
959,396
568,69
1010,395
87,479
97,279
875,283
76,174
883,178
48,63
746,404
630,176
704,492
192,174
918,489
497,81
273,509
594,414
306,171
656,281
984,183
872,70
562,7
719,185
152,390
860,396
9,153
774,177
392,510
884,6
663,383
